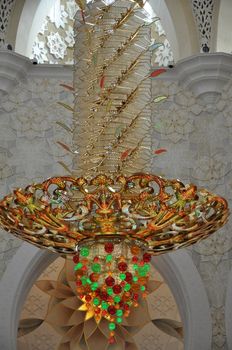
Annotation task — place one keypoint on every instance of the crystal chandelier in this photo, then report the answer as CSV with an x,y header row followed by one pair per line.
x,y
110,216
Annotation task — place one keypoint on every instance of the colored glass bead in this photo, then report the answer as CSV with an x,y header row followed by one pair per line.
x,y
117,299
117,289
135,259
122,276
97,311
147,267
109,257
122,266
126,306
76,259
146,257
104,305
129,277
78,283
136,296
84,251
111,309
135,278
112,326
96,267
110,281
143,288
135,287
78,266
96,301
84,280
94,277
104,296
119,313
119,320
88,298
94,286
135,250
110,291
109,247
127,287
135,267
112,340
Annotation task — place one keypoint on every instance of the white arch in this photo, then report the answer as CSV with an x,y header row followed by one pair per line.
x,y
177,269
31,20
224,38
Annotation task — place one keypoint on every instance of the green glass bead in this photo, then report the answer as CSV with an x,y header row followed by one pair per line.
x,y
143,288
127,287
104,305
119,320
122,276
119,313
109,257
84,280
78,266
147,267
142,273
112,326
96,301
96,267
94,286
135,267
84,251
117,299
89,281
110,291
135,278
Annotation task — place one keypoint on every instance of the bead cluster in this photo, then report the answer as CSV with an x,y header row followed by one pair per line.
x,y
110,279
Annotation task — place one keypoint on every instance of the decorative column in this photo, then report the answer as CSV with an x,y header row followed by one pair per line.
x,y
112,89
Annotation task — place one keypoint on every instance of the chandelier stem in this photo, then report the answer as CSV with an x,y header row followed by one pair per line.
x,y
112,112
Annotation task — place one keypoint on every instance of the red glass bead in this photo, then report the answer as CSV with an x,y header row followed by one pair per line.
x,y
129,277
97,311
76,259
109,247
135,259
104,296
111,309
122,266
126,307
110,281
88,298
111,340
135,296
123,283
104,312
146,257
96,259
121,304
78,283
98,292
94,277
117,289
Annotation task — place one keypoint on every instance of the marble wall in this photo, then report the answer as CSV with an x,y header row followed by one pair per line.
x,y
194,124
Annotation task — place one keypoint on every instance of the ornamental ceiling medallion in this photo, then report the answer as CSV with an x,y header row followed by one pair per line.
x,y
111,214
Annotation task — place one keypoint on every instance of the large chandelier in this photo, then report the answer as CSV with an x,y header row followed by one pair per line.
x,y
112,215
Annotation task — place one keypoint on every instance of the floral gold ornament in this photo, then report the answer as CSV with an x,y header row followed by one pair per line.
x,y
112,214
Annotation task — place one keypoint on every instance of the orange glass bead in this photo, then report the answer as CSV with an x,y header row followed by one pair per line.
x,y
135,250
142,280
135,287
